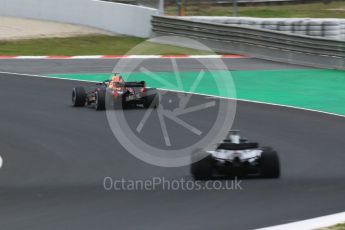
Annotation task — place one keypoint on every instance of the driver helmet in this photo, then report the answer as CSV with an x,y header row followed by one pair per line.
x,y
234,136
117,78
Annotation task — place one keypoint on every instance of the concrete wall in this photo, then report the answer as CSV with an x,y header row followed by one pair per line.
x,y
114,17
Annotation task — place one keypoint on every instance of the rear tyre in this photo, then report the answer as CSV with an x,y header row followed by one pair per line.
x,y
270,166
100,100
124,103
152,99
202,169
119,103
78,97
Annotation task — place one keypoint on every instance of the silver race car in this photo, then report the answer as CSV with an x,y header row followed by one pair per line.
x,y
236,157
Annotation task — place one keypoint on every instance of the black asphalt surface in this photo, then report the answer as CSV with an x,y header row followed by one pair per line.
x,y
56,157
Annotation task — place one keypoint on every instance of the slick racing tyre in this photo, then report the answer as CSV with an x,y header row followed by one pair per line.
x,y
152,99
78,96
270,166
202,169
100,100
120,102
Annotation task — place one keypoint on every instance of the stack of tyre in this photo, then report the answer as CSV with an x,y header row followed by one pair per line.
x,y
327,28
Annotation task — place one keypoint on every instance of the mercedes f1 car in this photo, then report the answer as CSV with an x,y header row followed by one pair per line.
x,y
119,95
236,157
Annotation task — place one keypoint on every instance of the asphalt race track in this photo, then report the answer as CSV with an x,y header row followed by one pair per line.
x,y
101,66
56,157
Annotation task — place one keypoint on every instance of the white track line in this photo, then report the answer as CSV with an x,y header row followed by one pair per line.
x,y
42,76
257,102
201,94
311,224
143,56
231,56
206,56
1,162
87,57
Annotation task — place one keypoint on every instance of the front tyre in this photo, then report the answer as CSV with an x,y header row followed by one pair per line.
x,y
78,96
270,166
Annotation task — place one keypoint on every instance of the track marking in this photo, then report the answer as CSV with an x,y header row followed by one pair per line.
x,y
200,94
42,76
310,224
86,57
124,56
30,57
256,102
1,162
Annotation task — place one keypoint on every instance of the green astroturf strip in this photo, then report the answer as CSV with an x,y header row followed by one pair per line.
x,y
306,88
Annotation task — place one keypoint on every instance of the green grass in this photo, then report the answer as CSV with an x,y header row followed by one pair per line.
x,y
120,45
335,9
336,227
87,45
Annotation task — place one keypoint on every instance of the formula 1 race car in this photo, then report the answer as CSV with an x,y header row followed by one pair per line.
x,y
121,95
236,157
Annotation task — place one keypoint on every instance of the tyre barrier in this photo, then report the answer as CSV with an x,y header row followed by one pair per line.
x,y
328,28
309,50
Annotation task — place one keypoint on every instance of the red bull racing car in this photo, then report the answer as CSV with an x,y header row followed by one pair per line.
x,y
116,93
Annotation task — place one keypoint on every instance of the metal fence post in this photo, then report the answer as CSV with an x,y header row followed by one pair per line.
x,y
161,7
234,8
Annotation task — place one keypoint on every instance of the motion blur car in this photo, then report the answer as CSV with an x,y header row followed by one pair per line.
x,y
236,157
118,93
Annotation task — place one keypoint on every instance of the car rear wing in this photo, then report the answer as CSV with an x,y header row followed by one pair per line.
x,y
241,146
135,84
